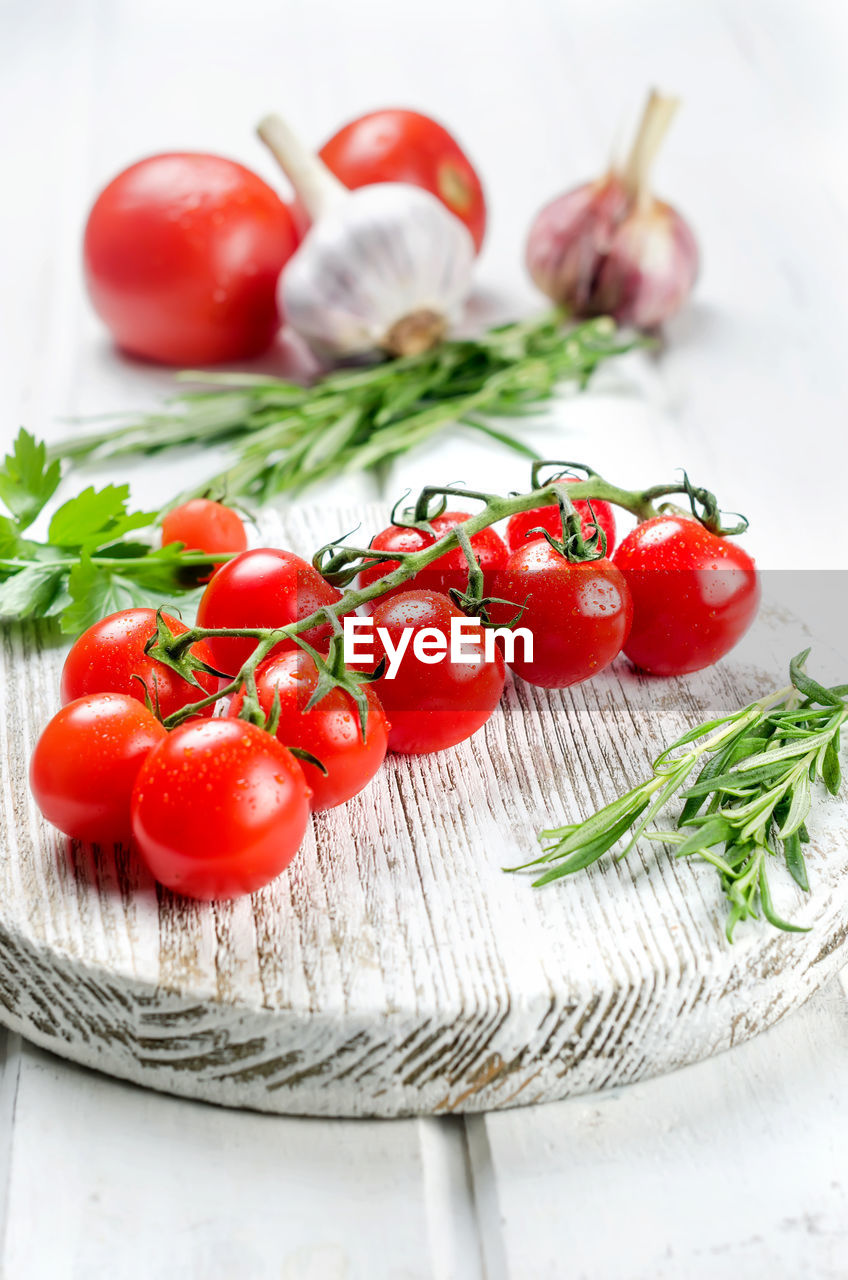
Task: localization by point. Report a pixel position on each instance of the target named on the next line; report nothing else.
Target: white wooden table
(736, 1167)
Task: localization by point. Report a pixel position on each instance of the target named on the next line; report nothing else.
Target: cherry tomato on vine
(265, 587)
(578, 613)
(86, 762)
(182, 254)
(432, 704)
(450, 570)
(519, 527)
(110, 654)
(219, 809)
(694, 594)
(405, 146)
(203, 525)
(330, 730)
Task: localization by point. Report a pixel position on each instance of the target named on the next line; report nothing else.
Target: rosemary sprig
(286, 436)
(748, 804)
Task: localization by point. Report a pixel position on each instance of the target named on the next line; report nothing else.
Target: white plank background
(733, 1167)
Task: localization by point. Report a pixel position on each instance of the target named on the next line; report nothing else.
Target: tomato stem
(245, 675)
(340, 564)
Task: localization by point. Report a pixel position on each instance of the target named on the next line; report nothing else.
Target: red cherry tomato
(107, 657)
(182, 254)
(219, 809)
(330, 730)
(203, 525)
(432, 705)
(404, 146)
(694, 594)
(86, 762)
(579, 614)
(450, 570)
(264, 587)
(519, 527)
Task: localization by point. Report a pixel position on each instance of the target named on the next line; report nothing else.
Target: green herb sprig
(748, 805)
(93, 562)
(286, 436)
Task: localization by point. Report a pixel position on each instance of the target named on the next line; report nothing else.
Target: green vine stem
(340, 564)
(126, 565)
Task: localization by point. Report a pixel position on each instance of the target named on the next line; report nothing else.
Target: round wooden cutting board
(394, 968)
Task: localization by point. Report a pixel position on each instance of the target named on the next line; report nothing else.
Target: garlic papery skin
(610, 247)
(648, 270)
(385, 268)
(571, 236)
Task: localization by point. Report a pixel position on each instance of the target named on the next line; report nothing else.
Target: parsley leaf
(96, 592)
(96, 517)
(31, 592)
(9, 539)
(27, 481)
(89, 566)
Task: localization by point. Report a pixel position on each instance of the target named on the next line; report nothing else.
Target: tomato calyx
(573, 545)
(472, 601)
(705, 509)
(341, 563)
(251, 711)
(175, 651)
(333, 673)
(429, 505)
(152, 704)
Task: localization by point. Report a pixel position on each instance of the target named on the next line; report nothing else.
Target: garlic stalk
(384, 268)
(612, 248)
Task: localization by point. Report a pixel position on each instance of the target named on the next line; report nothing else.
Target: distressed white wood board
(394, 968)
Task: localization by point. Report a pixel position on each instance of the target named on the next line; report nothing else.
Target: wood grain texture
(394, 968)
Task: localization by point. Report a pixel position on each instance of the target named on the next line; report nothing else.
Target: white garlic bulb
(382, 268)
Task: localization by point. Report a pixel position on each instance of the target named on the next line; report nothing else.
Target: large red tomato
(109, 658)
(694, 594)
(578, 614)
(219, 809)
(86, 762)
(405, 146)
(265, 587)
(432, 702)
(182, 254)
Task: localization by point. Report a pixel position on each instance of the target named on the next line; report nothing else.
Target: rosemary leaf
(757, 785)
(284, 437)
